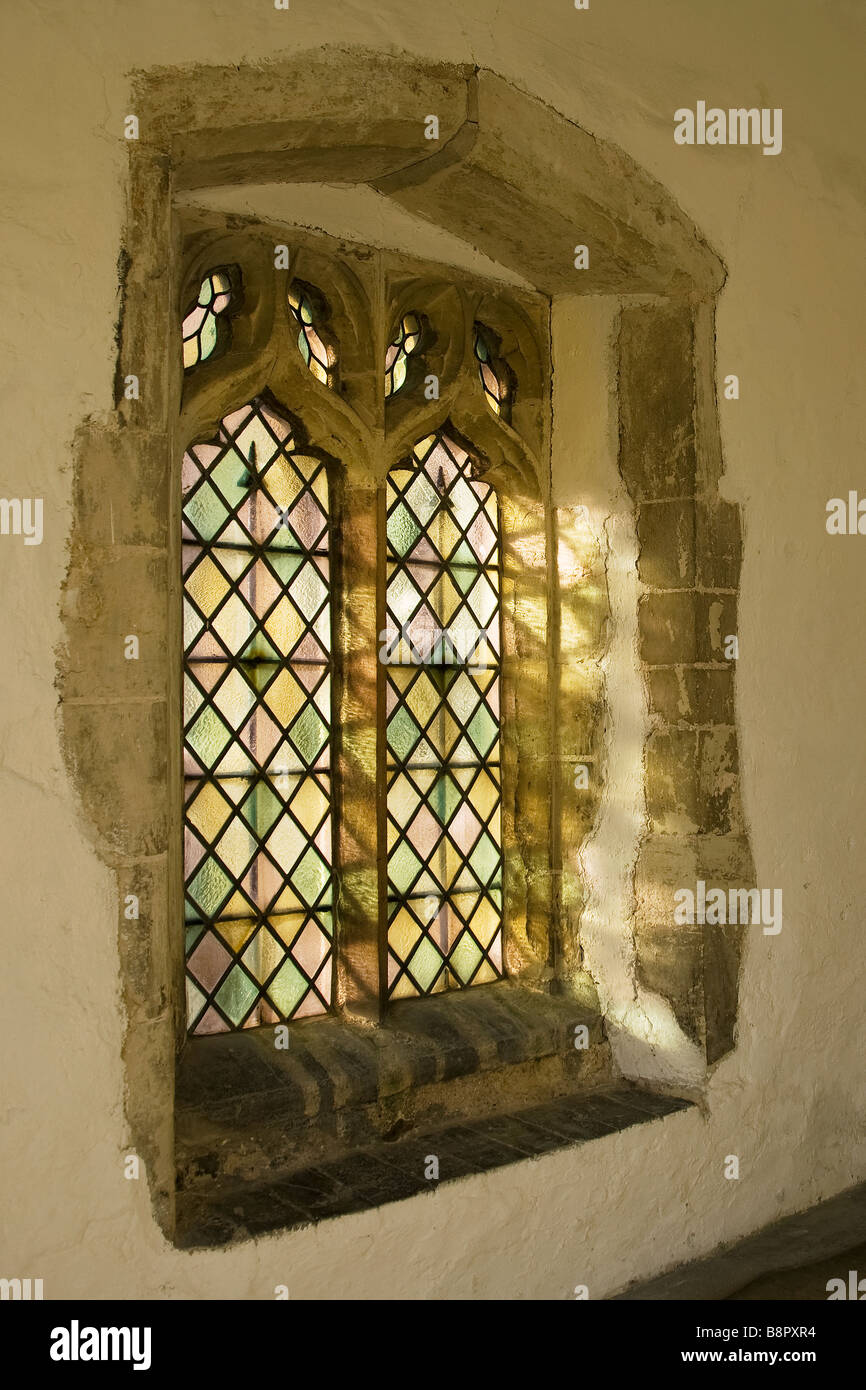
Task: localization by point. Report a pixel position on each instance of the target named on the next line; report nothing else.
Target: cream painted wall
(790, 1100)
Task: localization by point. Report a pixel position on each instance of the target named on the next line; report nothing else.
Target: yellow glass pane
(237, 906)
(209, 812)
(309, 805)
(234, 624)
(404, 989)
(234, 699)
(282, 482)
(285, 697)
(403, 798)
(444, 599)
(423, 700)
(236, 933)
(486, 974)
(485, 922)
(284, 626)
(485, 795)
(403, 933)
(443, 533)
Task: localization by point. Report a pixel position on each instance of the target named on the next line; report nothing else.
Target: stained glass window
(257, 726)
(308, 309)
(200, 324)
(495, 377)
(442, 656)
(405, 341)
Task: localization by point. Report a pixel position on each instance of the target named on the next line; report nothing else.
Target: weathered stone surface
(719, 544)
(668, 628)
(121, 487)
(697, 696)
(715, 621)
(119, 757)
(657, 432)
(718, 782)
(666, 533)
(670, 962)
(671, 782)
(113, 593)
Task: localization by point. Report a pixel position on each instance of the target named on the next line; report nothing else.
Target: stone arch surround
(649, 555)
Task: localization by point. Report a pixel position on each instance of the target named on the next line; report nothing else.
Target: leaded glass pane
(496, 380)
(406, 340)
(442, 648)
(257, 731)
(200, 324)
(317, 349)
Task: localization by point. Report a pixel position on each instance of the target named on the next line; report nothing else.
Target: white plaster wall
(790, 1101)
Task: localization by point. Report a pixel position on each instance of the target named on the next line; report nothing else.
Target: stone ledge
(246, 1109)
(392, 1172)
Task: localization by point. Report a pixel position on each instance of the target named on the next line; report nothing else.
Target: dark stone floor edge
(390, 1172)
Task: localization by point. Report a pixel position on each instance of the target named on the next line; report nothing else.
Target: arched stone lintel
(521, 182)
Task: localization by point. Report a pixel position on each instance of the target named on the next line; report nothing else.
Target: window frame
(364, 436)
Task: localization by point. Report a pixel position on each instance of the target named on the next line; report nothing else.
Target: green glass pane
(209, 888)
(208, 737)
(483, 730)
(261, 809)
(463, 575)
(191, 936)
(425, 963)
(236, 995)
(403, 733)
(444, 798)
(205, 294)
(310, 876)
(287, 988)
(205, 512)
(285, 566)
(464, 555)
(232, 477)
(403, 867)
(259, 649)
(484, 859)
(403, 531)
(208, 337)
(308, 733)
(464, 958)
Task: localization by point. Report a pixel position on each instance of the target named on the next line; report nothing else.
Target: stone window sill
(344, 1119)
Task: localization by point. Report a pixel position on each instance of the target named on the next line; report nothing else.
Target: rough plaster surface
(790, 1100)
